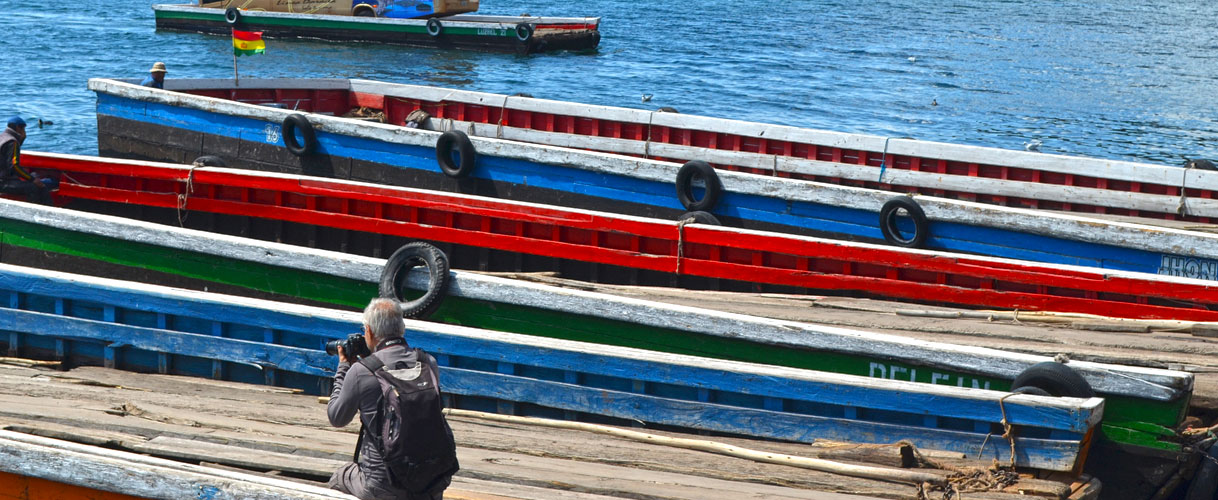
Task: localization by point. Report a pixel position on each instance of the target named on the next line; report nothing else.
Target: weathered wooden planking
(202, 451)
(139, 476)
(1060, 454)
(1064, 226)
(1113, 379)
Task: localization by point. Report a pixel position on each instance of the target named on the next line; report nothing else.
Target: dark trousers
(35, 192)
(350, 479)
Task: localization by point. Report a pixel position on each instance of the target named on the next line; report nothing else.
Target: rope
(1008, 431)
(681, 241)
(1182, 206)
(883, 160)
(647, 146)
(502, 110)
(190, 188)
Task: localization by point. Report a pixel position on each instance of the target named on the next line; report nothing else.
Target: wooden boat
(39, 467)
(1144, 405)
(143, 327)
(211, 117)
(518, 34)
(661, 247)
(981, 174)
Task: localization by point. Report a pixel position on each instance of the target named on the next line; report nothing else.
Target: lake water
(1107, 79)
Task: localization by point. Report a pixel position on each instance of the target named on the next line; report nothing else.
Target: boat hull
(104, 246)
(131, 127)
(580, 35)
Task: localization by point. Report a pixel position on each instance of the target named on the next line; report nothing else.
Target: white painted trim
(1131, 381)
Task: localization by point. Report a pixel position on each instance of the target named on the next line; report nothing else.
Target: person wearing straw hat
(156, 76)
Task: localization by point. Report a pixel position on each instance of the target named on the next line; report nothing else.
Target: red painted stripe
(639, 243)
(249, 36)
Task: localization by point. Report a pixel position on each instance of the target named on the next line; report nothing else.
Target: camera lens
(332, 346)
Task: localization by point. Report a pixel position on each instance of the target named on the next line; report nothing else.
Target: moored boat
(665, 249)
(517, 34)
(201, 117)
(1144, 405)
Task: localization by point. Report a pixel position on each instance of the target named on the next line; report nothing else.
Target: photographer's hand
(342, 356)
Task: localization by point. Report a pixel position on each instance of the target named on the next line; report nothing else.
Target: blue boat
(247, 127)
(157, 329)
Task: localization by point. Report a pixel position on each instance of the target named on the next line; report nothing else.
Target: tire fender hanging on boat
(434, 27)
(232, 16)
(701, 217)
(397, 268)
(291, 125)
(1053, 379)
(685, 186)
(888, 222)
(524, 31)
(209, 161)
(466, 155)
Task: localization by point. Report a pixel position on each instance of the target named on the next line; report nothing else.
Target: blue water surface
(1108, 78)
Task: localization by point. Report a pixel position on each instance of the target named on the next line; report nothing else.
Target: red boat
(671, 248)
(988, 175)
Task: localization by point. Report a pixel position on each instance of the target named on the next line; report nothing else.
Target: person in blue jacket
(156, 76)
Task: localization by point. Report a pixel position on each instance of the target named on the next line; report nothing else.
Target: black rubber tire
(398, 267)
(685, 189)
(524, 31)
(1032, 390)
(232, 16)
(209, 161)
(668, 109)
(434, 27)
(1054, 378)
(301, 122)
(888, 222)
(701, 217)
(365, 12)
(465, 149)
(1205, 482)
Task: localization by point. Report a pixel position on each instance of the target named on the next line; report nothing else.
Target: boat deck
(278, 432)
(1107, 341)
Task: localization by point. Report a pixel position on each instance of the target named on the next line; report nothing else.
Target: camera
(353, 345)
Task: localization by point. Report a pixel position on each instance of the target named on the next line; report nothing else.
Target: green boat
(1143, 404)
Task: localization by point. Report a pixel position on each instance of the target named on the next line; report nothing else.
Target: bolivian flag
(247, 43)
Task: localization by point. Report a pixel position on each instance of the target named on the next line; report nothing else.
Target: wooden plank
(194, 450)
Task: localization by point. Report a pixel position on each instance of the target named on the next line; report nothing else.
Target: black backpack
(414, 438)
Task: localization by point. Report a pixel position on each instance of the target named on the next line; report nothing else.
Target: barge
(249, 128)
(513, 34)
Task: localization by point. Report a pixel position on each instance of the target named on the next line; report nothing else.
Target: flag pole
(236, 81)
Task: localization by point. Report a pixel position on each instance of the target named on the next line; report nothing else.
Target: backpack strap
(372, 363)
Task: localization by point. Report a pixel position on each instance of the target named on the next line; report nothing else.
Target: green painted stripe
(1127, 420)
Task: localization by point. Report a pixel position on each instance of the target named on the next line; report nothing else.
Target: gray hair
(384, 319)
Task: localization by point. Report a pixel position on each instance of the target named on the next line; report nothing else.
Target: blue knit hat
(16, 121)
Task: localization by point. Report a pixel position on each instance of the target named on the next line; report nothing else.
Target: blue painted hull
(155, 329)
(547, 183)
